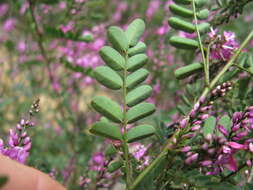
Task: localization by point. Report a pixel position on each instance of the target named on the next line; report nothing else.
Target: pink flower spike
(235, 145)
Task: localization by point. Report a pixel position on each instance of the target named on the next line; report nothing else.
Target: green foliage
(209, 125)
(134, 31)
(108, 77)
(138, 95)
(183, 43)
(136, 78)
(107, 108)
(188, 70)
(107, 130)
(135, 62)
(140, 132)
(140, 47)
(112, 58)
(115, 165)
(140, 111)
(124, 60)
(117, 38)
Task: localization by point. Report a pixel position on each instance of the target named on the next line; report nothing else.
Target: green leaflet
(203, 14)
(180, 24)
(181, 11)
(107, 108)
(209, 125)
(117, 38)
(200, 3)
(183, 2)
(140, 132)
(203, 27)
(108, 77)
(138, 95)
(187, 13)
(136, 78)
(135, 62)
(112, 58)
(188, 70)
(140, 47)
(183, 43)
(135, 31)
(140, 111)
(107, 130)
(226, 122)
(110, 151)
(115, 165)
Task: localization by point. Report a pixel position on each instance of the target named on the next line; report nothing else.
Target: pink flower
(153, 6)
(21, 47)
(224, 46)
(236, 146)
(3, 9)
(9, 24)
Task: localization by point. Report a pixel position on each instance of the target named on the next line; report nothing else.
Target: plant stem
(124, 127)
(206, 64)
(177, 134)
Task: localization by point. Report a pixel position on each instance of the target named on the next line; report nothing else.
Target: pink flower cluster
(19, 143)
(139, 152)
(224, 45)
(218, 150)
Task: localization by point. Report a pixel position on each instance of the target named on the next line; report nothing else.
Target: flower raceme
(19, 143)
(219, 149)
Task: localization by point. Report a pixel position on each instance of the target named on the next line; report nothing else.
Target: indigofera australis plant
(123, 71)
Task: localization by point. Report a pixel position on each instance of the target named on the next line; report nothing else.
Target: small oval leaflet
(117, 38)
(140, 47)
(135, 62)
(106, 130)
(115, 165)
(107, 108)
(183, 43)
(135, 31)
(140, 111)
(180, 24)
(188, 70)
(203, 27)
(183, 2)
(136, 78)
(209, 125)
(181, 11)
(112, 58)
(203, 14)
(140, 132)
(108, 77)
(138, 95)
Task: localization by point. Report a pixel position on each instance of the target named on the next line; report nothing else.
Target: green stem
(203, 95)
(124, 126)
(206, 64)
(158, 159)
